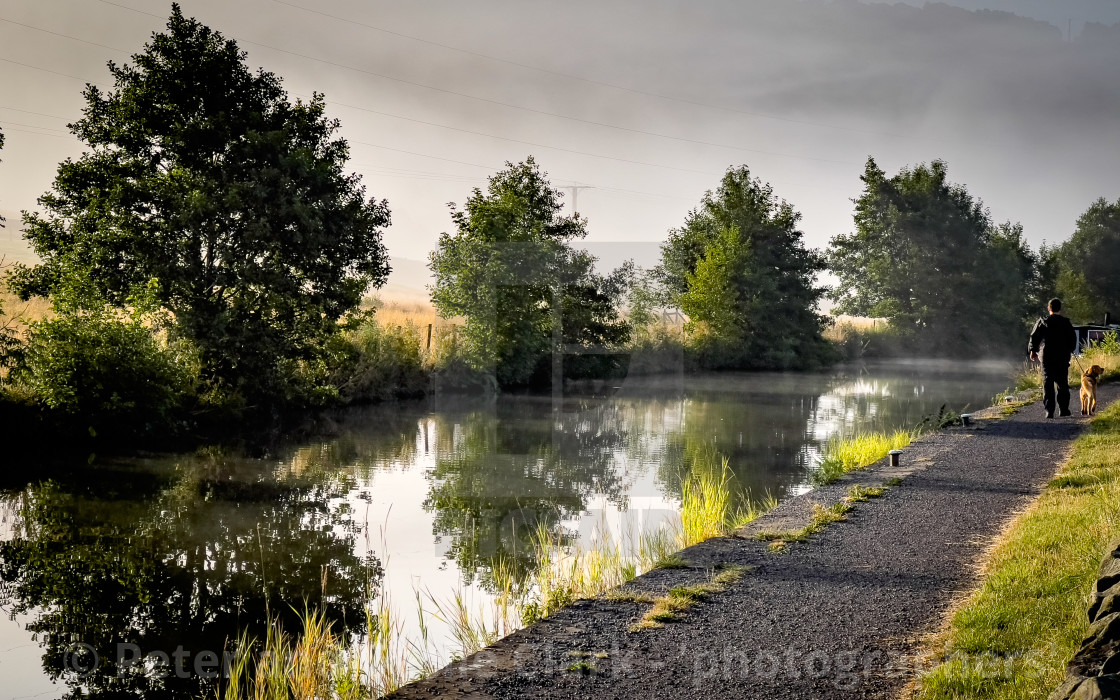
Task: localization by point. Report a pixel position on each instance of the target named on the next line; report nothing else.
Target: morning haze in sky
(644, 104)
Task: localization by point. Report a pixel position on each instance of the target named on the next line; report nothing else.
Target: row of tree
(925, 254)
(210, 244)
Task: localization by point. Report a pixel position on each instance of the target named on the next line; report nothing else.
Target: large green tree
(740, 267)
(510, 269)
(203, 181)
(1088, 279)
(926, 255)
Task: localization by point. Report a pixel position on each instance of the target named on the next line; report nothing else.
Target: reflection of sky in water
(436, 492)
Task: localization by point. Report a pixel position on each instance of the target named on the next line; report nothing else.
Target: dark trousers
(1055, 380)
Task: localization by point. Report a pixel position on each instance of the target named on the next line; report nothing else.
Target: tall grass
(843, 455)
(706, 509)
(865, 338)
(322, 665)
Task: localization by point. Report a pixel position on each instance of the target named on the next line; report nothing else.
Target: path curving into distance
(838, 616)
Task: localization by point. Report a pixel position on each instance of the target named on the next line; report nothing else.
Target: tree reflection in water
(502, 474)
(165, 561)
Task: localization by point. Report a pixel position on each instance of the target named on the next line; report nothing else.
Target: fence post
(429, 347)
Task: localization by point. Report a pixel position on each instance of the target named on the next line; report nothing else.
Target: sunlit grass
(1012, 638)
(669, 607)
(706, 504)
(843, 455)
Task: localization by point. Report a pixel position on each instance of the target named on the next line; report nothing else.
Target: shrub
(107, 372)
(855, 341)
(381, 362)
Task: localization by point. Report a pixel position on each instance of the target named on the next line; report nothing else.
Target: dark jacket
(1054, 339)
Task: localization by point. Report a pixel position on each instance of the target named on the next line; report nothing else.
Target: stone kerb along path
(835, 613)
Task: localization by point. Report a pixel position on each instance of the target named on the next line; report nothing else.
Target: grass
(706, 503)
(673, 561)
(1012, 638)
(843, 455)
(17, 314)
(822, 518)
(670, 607)
(858, 494)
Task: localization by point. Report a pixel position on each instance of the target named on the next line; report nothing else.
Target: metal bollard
(966, 419)
(895, 455)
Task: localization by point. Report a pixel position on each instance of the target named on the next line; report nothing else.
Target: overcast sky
(647, 102)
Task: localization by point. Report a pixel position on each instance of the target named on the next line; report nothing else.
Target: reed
(843, 455)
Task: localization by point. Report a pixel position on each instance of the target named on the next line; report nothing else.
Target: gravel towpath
(838, 616)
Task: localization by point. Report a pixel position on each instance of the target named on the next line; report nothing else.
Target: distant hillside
(407, 282)
(12, 246)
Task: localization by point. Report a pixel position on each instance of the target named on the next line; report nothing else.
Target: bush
(109, 373)
(859, 341)
(381, 362)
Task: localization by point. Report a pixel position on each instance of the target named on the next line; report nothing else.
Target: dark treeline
(206, 257)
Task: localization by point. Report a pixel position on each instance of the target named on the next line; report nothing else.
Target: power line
(64, 36)
(46, 70)
(580, 78)
(504, 104)
(36, 133)
(36, 126)
(27, 111)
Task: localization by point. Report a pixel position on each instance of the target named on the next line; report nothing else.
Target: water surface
(178, 554)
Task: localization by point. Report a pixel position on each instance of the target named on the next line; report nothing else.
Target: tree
(1088, 261)
(926, 255)
(740, 267)
(203, 180)
(713, 294)
(1013, 280)
(509, 268)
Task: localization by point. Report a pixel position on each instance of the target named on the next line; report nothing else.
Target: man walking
(1054, 339)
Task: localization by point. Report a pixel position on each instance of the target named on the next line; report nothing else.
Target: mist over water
(191, 549)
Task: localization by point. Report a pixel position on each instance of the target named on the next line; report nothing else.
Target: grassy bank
(1013, 637)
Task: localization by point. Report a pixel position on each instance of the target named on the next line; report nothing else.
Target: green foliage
(1087, 281)
(202, 176)
(509, 268)
(107, 372)
(381, 363)
(642, 298)
(926, 255)
(740, 269)
(714, 295)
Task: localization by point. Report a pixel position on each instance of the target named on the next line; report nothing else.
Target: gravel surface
(838, 616)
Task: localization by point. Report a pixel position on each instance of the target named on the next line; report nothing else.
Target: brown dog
(1089, 381)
